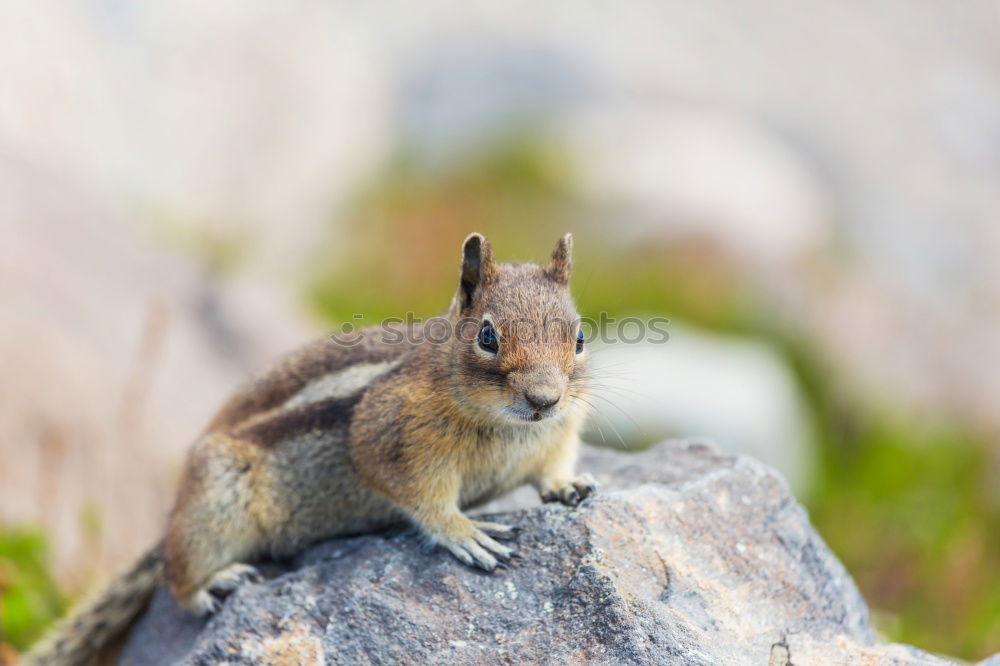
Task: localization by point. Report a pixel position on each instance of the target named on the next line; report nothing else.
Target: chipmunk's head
(521, 354)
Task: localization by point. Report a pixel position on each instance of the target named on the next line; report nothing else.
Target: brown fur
(337, 439)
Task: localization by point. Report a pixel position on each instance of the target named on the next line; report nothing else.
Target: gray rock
(686, 556)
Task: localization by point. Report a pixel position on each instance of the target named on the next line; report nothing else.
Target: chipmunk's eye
(579, 341)
(488, 340)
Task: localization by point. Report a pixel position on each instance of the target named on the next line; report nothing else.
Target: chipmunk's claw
(477, 549)
(208, 600)
(204, 603)
(498, 530)
(228, 579)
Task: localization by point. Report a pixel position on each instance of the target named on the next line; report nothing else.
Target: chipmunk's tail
(84, 635)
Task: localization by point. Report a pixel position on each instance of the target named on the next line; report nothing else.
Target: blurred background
(809, 191)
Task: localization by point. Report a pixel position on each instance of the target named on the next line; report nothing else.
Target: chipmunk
(340, 439)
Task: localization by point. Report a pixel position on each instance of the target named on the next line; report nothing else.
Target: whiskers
(595, 390)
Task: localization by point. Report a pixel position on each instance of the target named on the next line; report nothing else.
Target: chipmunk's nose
(541, 388)
(541, 400)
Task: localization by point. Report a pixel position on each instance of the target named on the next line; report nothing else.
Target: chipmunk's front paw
(571, 492)
(477, 549)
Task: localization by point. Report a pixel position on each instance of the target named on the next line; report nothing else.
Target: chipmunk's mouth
(530, 415)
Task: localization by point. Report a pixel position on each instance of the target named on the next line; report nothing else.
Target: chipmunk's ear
(478, 266)
(562, 260)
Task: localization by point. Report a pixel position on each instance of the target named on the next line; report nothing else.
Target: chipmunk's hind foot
(203, 603)
(208, 600)
(228, 579)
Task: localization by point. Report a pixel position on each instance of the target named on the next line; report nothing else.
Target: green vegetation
(405, 229)
(29, 599)
(909, 504)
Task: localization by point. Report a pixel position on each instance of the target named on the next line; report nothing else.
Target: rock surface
(686, 556)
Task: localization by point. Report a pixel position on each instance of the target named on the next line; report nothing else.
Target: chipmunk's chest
(496, 462)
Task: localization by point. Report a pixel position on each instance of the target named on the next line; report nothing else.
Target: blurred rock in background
(696, 383)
